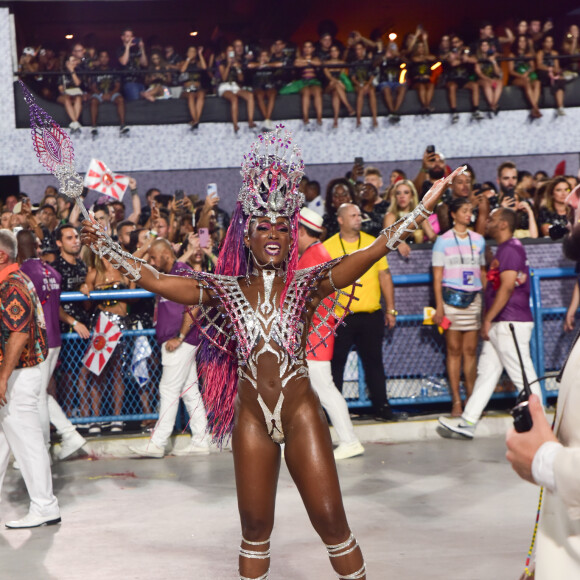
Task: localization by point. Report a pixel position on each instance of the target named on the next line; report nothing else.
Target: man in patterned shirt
(22, 348)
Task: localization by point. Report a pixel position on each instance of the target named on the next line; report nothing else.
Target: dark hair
(509, 217)
(134, 240)
(315, 185)
(505, 165)
(309, 231)
(328, 208)
(456, 203)
(571, 245)
(124, 224)
(47, 206)
(150, 191)
(60, 229)
(101, 207)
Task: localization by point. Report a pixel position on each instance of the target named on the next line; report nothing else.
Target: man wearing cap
(364, 327)
(312, 253)
(23, 347)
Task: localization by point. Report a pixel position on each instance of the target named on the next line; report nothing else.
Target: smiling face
(269, 242)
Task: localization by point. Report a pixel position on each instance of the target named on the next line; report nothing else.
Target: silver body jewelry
(406, 225)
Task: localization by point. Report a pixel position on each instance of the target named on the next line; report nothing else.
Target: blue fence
(413, 355)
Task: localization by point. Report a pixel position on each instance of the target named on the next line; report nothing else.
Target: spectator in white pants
(22, 349)
(47, 283)
(312, 253)
(175, 334)
(507, 301)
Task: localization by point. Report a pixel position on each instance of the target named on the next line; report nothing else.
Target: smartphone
(511, 192)
(211, 190)
(430, 149)
(179, 194)
(445, 323)
(203, 237)
(17, 208)
(359, 161)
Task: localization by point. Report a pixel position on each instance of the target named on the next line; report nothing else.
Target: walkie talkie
(521, 412)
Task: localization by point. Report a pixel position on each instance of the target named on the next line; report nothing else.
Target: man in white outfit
(552, 459)
(47, 283)
(312, 253)
(22, 349)
(173, 328)
(507, 302)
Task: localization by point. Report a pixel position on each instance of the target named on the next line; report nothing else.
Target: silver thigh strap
(406, 225)
(255, 554)
(342, 549)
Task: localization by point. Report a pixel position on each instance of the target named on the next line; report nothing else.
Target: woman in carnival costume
(256, 311)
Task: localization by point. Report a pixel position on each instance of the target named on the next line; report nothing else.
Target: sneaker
(560, 111)
(94, 429)
(117, 426)
(191, 449)
(477, 115)
(94, 132)
(346, 450)
(124, 130)
(71, 443)
(148, 449)
(459, 426)
(454, 118)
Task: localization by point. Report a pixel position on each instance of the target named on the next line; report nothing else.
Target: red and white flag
(103, 342)
(100, 178)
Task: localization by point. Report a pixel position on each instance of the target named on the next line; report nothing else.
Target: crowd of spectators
(378, 66)
(540, 203)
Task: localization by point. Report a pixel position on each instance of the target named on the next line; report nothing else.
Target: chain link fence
(413, 358)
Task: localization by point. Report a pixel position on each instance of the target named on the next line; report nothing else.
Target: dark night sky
(171, 20)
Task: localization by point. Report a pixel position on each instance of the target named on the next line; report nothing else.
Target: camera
(557, 231)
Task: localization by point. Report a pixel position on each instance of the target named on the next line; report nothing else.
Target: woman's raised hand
(438, 188)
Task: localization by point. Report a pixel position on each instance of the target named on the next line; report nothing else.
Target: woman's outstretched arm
(354, 265)
(175, 288)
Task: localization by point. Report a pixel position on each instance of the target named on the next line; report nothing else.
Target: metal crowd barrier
(413, 355)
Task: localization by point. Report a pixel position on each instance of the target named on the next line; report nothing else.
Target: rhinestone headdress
(271, 174)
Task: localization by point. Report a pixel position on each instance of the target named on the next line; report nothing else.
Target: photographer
(433, 168)
(526, 226)
(554, 210)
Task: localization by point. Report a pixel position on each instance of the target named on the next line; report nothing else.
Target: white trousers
(499, 353)
(49, 409)
(21, 433)
(331, 399)
(179, 379)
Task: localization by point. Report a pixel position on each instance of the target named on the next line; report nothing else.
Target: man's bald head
(161, 255)
(349, 219)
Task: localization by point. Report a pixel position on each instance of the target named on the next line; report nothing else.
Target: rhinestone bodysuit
(268, 328)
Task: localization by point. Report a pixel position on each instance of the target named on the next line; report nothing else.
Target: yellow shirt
(369, 294)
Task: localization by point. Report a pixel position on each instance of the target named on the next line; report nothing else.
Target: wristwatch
(393, 312)
(181, 336)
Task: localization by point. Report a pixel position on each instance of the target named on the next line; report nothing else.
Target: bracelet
(180, 336)
(393, 312)
(74, 323)
(133, 192)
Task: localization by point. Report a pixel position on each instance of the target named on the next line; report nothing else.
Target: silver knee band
(406, 225)
(257, 554)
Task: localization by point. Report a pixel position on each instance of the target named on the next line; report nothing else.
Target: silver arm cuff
(119, 258)
(406, 225)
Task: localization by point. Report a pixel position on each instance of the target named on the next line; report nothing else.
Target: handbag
(458, 298)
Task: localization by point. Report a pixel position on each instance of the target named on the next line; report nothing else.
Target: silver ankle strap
(262, 577)
(406, 225)
(355, 575)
